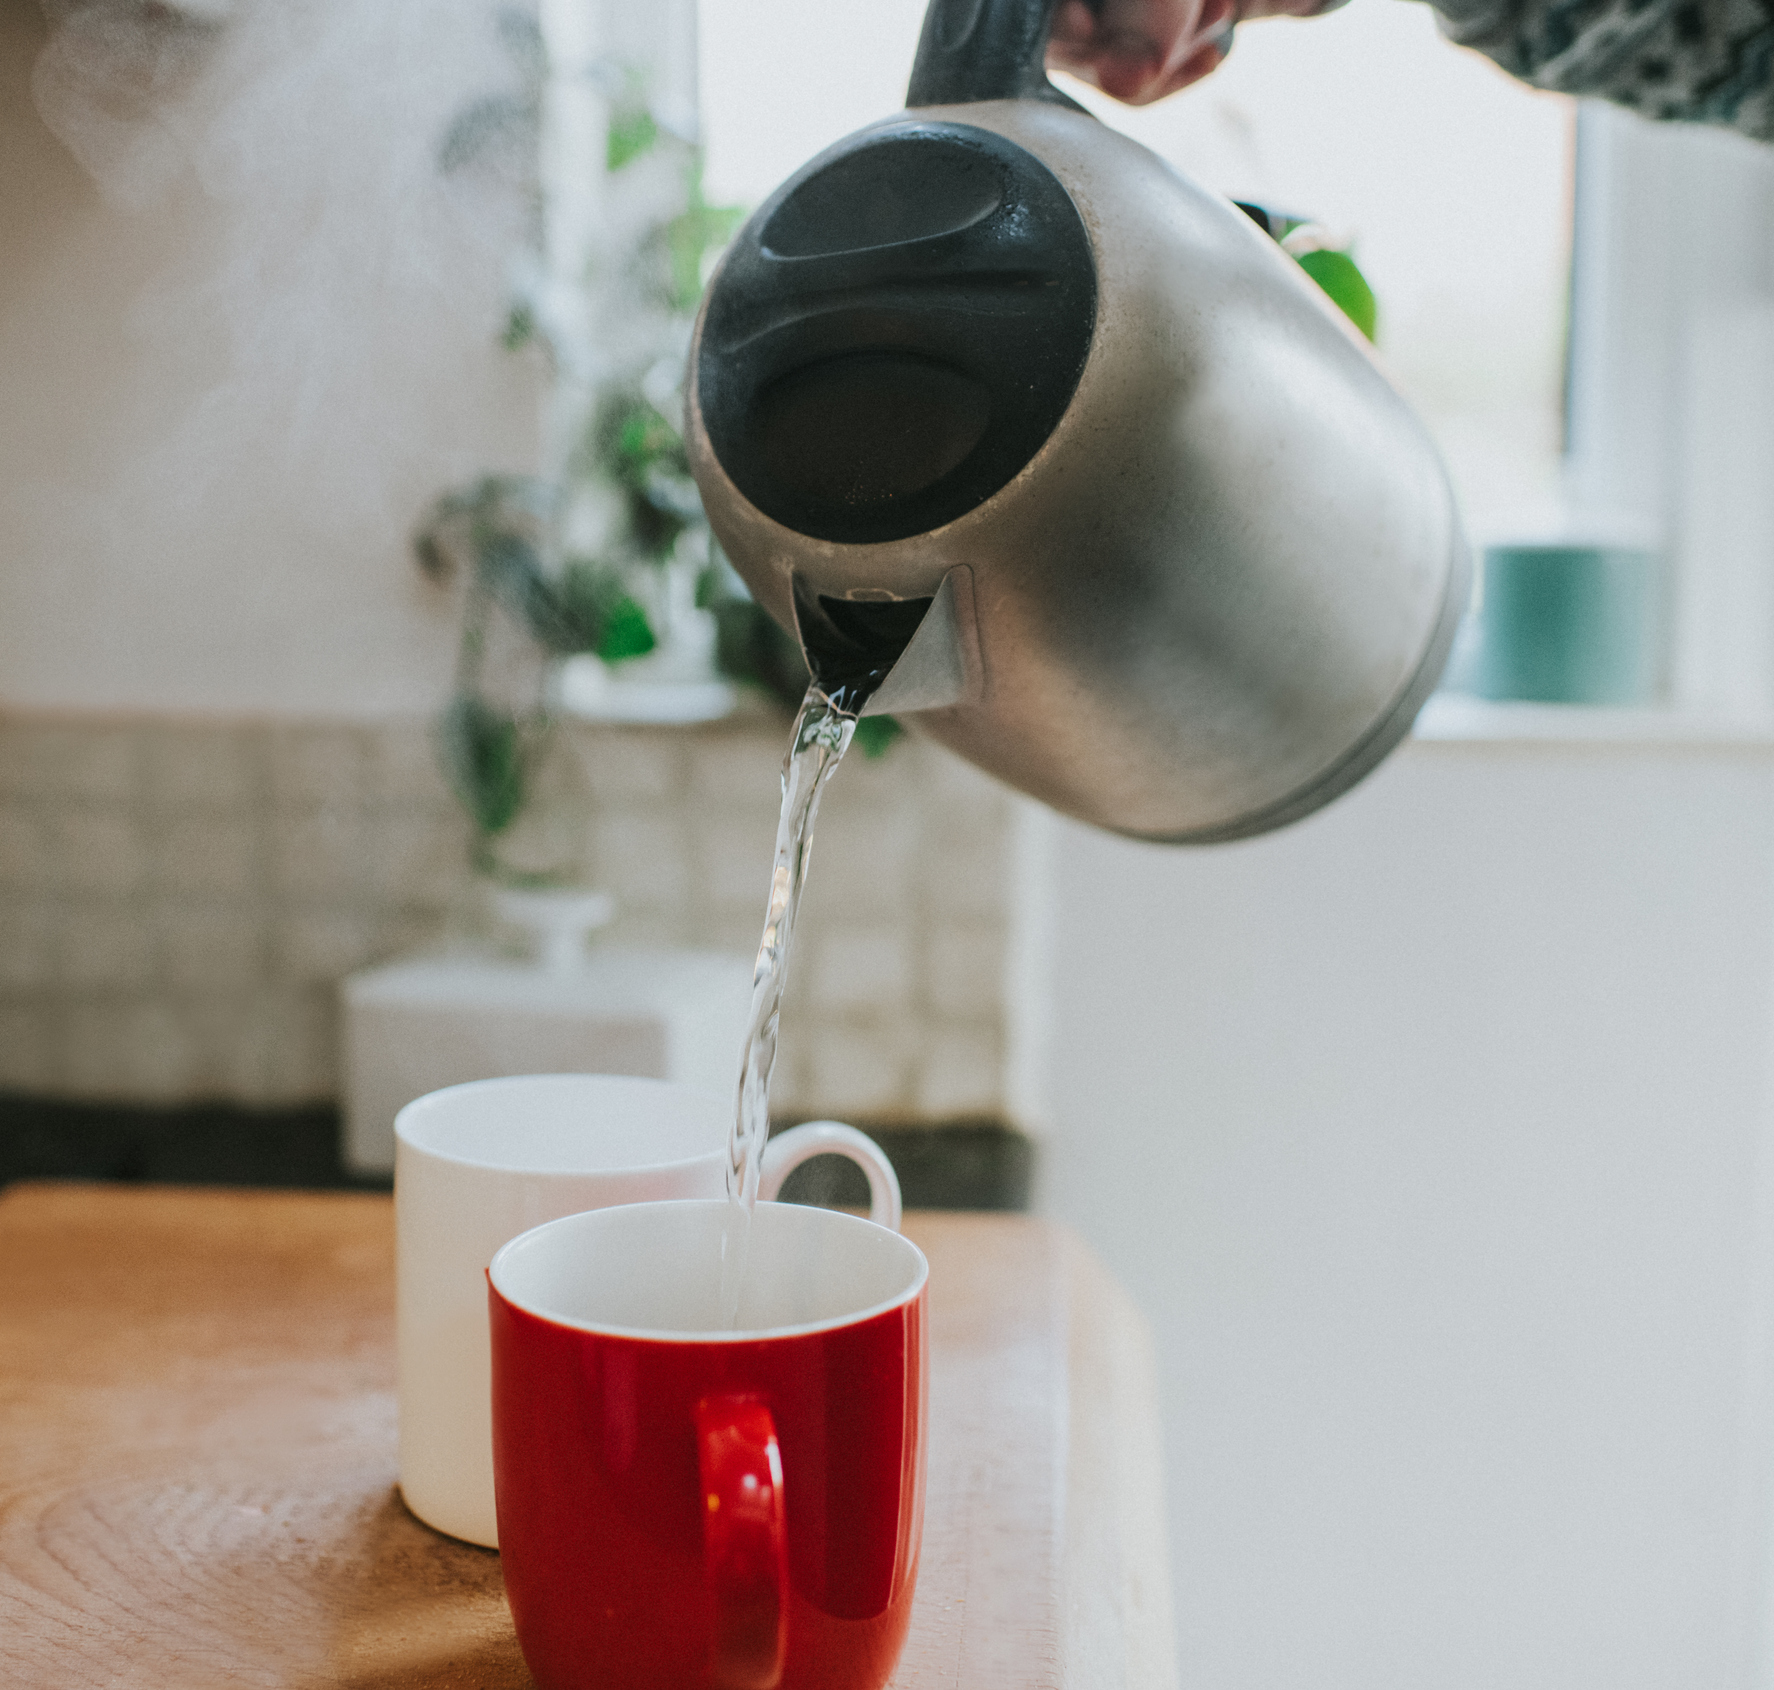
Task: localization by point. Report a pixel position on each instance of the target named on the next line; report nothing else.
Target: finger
(1138, 51)
(1290, 8)
(1074, 30)
(1205, 59)
(1123, 46)
(1204, 54)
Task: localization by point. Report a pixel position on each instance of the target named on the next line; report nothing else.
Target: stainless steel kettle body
(1023, 432)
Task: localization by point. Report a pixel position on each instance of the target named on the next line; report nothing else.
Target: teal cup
(1566, 624)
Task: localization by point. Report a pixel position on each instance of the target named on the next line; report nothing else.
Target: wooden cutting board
(197, 1460)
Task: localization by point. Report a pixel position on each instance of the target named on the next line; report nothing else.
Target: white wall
(1671, 420)
(249, 332)
(1431, 1134)
(783, 79)
(239, 354)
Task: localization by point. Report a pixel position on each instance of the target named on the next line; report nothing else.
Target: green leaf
(1338, 275)
(700, 229)
(632, 444)
(643, 442)
(668, 488)
(561, 617)
(751, 646)
(520, 328)
(652, 531)
(509, 564)
(483, 757)
(875, 734)
(632, 133)
(627, 633)
(507, 123)
(582, 602)
(430, 554)
(490, 521)
(521, 34)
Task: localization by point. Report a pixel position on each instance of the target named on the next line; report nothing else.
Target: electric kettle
(1026, 435)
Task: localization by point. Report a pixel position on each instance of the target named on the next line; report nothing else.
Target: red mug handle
(744, 1542)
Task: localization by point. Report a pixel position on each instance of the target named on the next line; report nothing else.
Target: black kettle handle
(984, 50)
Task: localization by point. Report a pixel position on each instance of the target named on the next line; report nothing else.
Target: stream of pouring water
(822, 734)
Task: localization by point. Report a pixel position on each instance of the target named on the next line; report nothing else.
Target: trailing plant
(573, 562)
(1334, 269)
(1328, 261)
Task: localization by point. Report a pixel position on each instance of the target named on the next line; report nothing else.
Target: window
(1452, 184)
(1501, 231)
(1672, 384)
(1451, 180)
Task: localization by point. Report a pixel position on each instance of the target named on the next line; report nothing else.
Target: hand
(1140, 50)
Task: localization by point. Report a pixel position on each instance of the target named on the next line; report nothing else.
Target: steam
(273, 333)
(312, 260)
(111, 79)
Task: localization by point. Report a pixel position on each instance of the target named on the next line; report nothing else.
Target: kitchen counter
(197, 1459)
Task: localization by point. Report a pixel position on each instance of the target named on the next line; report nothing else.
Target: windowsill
(1453, 718)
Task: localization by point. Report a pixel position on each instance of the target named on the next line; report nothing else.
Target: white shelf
(1453, 719)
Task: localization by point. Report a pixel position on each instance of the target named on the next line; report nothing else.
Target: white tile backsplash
(734, 858)
(29, 929)
(320, 853)
(858, 971)
(418, 852)
(178, 900)
(964, 968)
(26, 861)
(213, 856)
(300, 1041)
(319, 768)
(317, 945)
(401, 766)
(863, 1070)
(646, 853)
(28, 1056)
(744, 771)
(215, 946)
(97, 851)
(90, 764)
(107, 946)
(959, 1073)
(121, 1048)
(963, 868)
(634, 766)
(200, 768)
(879, 848)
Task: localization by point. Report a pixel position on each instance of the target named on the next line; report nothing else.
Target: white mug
(477, 1164)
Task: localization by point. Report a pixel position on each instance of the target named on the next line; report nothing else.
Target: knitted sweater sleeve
(1694, 61)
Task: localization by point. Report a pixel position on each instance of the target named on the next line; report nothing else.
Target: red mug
(684, 1506)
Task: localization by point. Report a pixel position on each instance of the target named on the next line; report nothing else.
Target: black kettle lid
(900, 327)
(896, 332)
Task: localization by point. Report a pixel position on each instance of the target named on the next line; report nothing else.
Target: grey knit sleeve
(1694, 61)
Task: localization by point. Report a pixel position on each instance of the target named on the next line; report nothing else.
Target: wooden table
(197, 1459)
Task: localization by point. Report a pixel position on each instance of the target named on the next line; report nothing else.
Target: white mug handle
(787, 1151)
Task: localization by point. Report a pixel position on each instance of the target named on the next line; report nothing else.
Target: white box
(415, 1025)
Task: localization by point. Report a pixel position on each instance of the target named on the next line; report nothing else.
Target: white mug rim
(621, 1170)
(593, 1218)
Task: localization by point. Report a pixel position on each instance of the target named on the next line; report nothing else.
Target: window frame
(1670, 386)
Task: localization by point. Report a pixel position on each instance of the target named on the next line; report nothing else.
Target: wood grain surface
(197, 1460)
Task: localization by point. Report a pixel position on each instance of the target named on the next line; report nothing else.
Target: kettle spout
(878, 655)
(940, 666)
